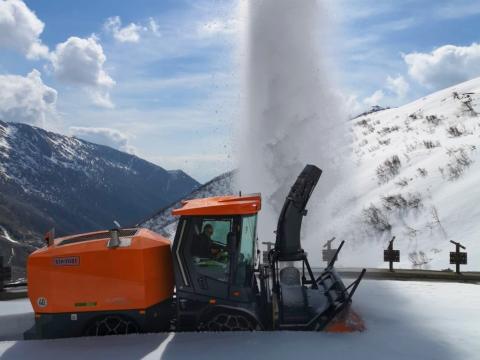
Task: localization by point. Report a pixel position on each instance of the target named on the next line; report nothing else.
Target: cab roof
(221, 205)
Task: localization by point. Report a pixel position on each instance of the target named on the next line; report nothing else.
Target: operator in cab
(203, 246)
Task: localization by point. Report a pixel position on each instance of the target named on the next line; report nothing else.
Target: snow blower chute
(123, 280)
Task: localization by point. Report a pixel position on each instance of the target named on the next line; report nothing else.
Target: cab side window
(245, 260)
(209, 247)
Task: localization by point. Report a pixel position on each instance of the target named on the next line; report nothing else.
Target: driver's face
(208, 231)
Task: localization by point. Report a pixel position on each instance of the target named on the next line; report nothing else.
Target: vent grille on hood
(98, 236)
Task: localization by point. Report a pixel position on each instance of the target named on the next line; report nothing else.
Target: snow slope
(404, 320)
(417, 178)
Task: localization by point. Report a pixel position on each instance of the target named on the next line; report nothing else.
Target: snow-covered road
(405, 320)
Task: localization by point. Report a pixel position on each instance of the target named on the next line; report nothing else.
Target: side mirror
(114, 240)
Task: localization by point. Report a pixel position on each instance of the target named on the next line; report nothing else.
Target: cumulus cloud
(20, 29)
(129, 33)
(445, 66)
(218, 27)
(398, 85)
(104, 136)
(27, 99)
(79, 61)
(374, 99)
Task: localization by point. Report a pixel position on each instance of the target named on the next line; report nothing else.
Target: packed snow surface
(404, 320)
(15, 317)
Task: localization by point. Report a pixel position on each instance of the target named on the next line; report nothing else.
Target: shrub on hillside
(433, 119)
(459, 162)
(454, 131)
(400, 202)
(422, 172)
(388, 169)
(429, 144)
(374, 217)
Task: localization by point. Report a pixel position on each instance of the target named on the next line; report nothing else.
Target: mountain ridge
(51, 180)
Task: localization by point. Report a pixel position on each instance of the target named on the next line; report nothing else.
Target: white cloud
(398, 86)
(80, 62)
(129, 33)
(27, 99)
(218, 27)
(458, 9)
(351, 105)
(445, 66)
(20, 29)
(374, 99)
(104, 136)
(153, 26)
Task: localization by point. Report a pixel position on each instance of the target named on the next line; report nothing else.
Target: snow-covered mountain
(417, 169)
(50, 180)
(417, 175)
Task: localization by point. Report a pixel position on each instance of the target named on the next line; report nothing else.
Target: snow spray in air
(290, 114)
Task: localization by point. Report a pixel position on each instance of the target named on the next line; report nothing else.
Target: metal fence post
(5, 274)
(391, 255)
(328, 253)
(458, 258)
(1, 273)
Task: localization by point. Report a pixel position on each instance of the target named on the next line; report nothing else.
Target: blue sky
(161, 78)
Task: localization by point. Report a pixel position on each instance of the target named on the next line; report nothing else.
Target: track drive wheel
(112, 325)
(224, 321)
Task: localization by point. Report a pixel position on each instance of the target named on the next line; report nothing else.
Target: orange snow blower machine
(125, 281)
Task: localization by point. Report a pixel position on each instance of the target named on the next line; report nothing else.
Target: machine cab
(214, 249)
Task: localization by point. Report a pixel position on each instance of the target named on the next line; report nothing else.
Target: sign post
(391, 255)
(265, 253)
(5, 273)
(458, 258)
(328, 253)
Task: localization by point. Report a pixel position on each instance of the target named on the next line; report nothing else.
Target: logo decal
(42, 302)
(67, 261)
(87, 303)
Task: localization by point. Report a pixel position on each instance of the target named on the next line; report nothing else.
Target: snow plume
(27, 99)
(291, 115)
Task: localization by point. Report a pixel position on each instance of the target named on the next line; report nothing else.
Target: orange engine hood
(80, 273)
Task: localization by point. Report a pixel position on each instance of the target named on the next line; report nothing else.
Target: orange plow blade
(345, 322)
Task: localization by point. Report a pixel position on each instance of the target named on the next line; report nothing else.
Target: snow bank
(16, 316)
(405, 320)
